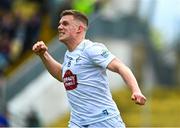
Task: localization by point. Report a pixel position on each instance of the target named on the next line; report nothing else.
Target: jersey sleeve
(99, 54)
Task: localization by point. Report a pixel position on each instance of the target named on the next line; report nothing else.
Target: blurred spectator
(29, 15)
(32, 31)
(7, 25)
(7, 33)
(4, 52)
(20, 23)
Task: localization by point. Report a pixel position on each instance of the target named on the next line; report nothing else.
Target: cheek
(68, 29)
(72, 31)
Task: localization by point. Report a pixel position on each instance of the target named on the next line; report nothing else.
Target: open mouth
(61, 33)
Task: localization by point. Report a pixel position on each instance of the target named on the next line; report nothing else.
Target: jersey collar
(80, 46)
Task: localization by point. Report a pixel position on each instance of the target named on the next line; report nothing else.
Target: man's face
(67, 28)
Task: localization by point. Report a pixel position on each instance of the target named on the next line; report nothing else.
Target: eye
(65, 23)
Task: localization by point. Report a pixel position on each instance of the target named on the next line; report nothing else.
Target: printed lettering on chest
(70, 80)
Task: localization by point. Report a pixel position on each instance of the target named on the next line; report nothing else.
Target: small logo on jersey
(105, 112)
(69, 64)
(105, 53)
(78, 59)
(70, 80)
(70, 59)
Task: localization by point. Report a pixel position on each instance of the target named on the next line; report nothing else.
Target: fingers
(133, 97)
(139, 99)
(39, 47)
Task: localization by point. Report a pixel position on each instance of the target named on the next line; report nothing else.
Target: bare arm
(117, 66)
(53, 67)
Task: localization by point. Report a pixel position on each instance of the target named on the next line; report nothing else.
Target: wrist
(43, 55)
(137, 90)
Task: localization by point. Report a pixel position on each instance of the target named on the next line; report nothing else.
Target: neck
(71, 45)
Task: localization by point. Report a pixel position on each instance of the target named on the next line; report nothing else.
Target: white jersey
(85, 79)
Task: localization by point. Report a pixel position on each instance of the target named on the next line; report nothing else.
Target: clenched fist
(39, 48)
(138, 98)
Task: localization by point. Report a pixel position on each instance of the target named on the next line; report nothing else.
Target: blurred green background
(144, 34)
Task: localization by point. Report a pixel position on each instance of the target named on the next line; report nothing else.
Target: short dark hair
(76, 14)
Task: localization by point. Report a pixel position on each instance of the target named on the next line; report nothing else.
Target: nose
(60, 27)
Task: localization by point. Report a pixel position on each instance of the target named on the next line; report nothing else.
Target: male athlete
(83, 73)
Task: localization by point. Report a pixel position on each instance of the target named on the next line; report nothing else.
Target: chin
(62, 40)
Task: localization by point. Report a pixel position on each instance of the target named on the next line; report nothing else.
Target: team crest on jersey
(70, 80)
(105, 53)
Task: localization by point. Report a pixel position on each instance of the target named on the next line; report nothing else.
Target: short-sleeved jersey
(85, 79)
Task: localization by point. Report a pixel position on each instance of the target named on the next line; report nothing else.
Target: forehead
(67, 18)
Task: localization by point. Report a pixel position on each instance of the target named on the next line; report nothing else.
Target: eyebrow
(64, 21)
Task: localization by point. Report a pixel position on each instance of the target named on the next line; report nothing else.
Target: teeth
(61, 33)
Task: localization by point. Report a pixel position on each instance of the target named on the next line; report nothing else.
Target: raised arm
(117, 66)
(53, 67)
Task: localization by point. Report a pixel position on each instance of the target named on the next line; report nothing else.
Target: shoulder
(98, 53)
(93, 46)
(95, 49)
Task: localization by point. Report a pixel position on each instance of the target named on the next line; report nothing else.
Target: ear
(80, 29)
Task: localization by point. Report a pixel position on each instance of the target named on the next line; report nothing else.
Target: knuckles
(39, 46)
